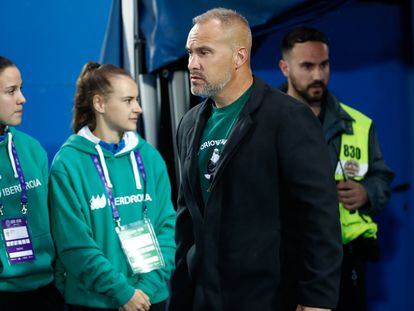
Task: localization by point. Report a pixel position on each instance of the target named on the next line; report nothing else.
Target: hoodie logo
(31, 184)
(97, 202)
(100, 201)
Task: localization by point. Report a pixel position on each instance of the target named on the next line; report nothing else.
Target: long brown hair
(93, 80)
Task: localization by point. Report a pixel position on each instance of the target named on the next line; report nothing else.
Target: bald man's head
(218, 48)
(235, 27)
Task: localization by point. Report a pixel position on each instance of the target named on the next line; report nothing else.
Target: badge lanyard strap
(115, 212)
(141, 169)
(344, 175)
(22, 181)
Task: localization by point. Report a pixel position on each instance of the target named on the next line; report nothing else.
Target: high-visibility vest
(353, 164)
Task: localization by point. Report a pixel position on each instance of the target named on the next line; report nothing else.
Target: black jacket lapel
(240, 129)
(192, 175)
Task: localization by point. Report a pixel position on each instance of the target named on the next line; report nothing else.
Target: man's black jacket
(273, 177)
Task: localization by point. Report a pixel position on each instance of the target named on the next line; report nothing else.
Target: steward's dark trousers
(352, 295)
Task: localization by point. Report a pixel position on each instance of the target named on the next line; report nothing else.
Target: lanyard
(22, 181)
(141, 169)
(115, 212)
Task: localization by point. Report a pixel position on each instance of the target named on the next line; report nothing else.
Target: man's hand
(352, 194)
(301, 308)
(138, 302)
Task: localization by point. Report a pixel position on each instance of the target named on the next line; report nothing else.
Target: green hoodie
(97, 272)
(33, 160)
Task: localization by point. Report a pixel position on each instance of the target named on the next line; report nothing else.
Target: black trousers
(352, 295)
(161, 306)
(46, 298)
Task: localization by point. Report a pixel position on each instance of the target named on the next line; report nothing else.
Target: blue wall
(50, 41)
(370, 71)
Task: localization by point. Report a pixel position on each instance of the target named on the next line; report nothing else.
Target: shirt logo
(212, 143)
(97, 202)
(212, 163)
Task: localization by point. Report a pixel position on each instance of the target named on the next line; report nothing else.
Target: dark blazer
(273, 178)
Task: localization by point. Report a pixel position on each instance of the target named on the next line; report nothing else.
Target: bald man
(254, 167)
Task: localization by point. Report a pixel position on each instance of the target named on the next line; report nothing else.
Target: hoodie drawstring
(135, 170)
(10, 152)
(105, 168)
(103, 163)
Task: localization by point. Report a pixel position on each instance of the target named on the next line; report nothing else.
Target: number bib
(17, 240)
(140, 246)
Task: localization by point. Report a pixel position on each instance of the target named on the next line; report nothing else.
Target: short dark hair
(5, 63)
(301, 35)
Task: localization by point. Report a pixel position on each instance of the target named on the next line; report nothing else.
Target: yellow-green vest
(353, 161)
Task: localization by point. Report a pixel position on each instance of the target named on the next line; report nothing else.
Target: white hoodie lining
(10, 151)
(85, 132)
(130, 138)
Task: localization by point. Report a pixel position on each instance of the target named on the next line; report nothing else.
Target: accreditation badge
(351, 168)
(140, 246)
(16, 236)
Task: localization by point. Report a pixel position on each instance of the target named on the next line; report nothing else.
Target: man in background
(363, 178)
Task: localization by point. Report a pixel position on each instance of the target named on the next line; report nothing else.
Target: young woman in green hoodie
(26, 246)
(112, 216)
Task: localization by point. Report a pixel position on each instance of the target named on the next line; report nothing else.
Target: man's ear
(99, 103)
(241, 57)
(284, 67)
